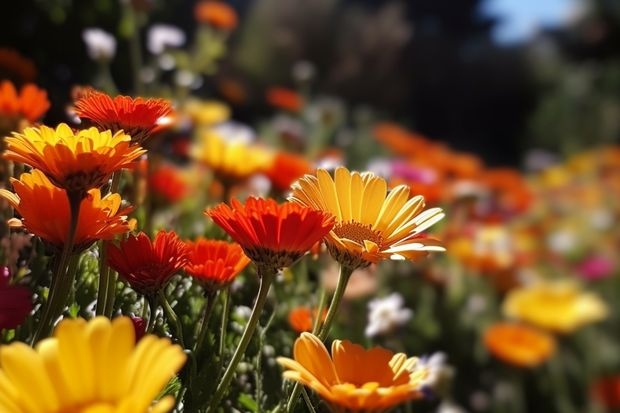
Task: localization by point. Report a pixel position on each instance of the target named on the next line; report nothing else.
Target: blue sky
(521, 17)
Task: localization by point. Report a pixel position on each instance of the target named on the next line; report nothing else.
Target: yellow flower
(371, 224)
(74, 161)
(207, 112)
(559, 306)
(89, 367)
(354, 379)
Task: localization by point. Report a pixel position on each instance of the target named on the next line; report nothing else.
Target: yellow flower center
(358, 232)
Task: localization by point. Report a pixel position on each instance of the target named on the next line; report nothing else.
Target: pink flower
(595, 267)
(15, 301)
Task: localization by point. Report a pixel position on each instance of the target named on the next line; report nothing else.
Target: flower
(385, 314)
(147, 266)
(283, 98)
(371, 224)
(13, 65)
(518, 344)
(286, 168)
(215, 263)
(93, 366)
(215, 13)
(302, 318)
(271, 234)
(99, 218)
(100, 45)
(606, 391)
(30, 103)
(15, 301)
(206, 112)
(75, 161)
(137, 117)
(554, 305)
(162, 36)
(168, 184)
(355, 379)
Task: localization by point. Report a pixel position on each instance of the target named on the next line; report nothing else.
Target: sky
(523, 17)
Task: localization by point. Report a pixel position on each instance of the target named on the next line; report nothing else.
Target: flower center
(358, 232)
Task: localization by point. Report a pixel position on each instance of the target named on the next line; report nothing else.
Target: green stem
(135, 48)
(203, 326)
(224, 325)
(318, 322)
(343, 279)
(171, 315)
(307, 400)
(152, 301)
(265, 283)
(62, 280)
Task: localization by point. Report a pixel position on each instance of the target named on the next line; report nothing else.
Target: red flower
(137, 117)
(168, 183)
(215, 263)
(606, 390)
(147, 266)
(283, 98)
(30, 103)
(286, 169)
(273, 235)
(15, 302)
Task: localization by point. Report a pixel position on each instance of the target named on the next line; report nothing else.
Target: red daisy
(137, 117)
(215, 263)
(147, 266)
(273, 235)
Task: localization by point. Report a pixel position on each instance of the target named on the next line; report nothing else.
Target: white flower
(100, 44)
(385, 314)
(162, 36)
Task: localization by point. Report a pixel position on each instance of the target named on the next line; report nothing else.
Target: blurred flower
(355, 379)
(162, 36)
(167, 183)
(99, 218)
(137, 117)
(74, 161)
(100, 45)
(554, 305)
(147, 266)
(206, 112)
(606, 391)
(371, 224)
(283, 98)
(273, 235)
(214, 263)
(399, 140)
(596, 267)
(87, 367)
(16, 67)
(215, 13)
(30, 103)
(15, 301)
(509, 188)
(519, 344)
(286, 168)
(302, 318)
(385, 314)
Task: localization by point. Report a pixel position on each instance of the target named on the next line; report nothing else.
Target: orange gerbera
(400, 140)
(75, 161)
(147, 266)
(30, 103)
(215, 13)
(354, 379)
(167, 183)
(519, 344)
(286, 169)
(283, 98)
(371, 224)
(273, 235)
(45, 212)
(137, 117)
(215, 263)
(301, 319)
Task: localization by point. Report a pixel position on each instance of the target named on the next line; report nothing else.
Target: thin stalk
(172, 316)
(265, 283)
(224, 325)
(318, 322)
(343, 279)
(307, 400)
(62, 279)
(203, 325)
(152, 304)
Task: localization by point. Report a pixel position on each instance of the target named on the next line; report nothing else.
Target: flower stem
(152, 301)
(343, 279)
(203, 325)
(224, 325)
(265, 283)
(172, 316)
(62, 279)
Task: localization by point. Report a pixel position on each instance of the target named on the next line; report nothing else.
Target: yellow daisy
(372, 224)
(89, 367)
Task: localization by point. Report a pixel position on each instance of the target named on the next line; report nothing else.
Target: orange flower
(302, 318)
(509, 189)
(215, 263)
(15, 66)
(400, 140)
(31, 102)
(286, 99)
(217, 14)
(273, 235)
(286, 169)
(137, 117)
(167, 183)
(45, 212)
(518, 344)
(354, 379)
(147, 266)
(75, 161)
